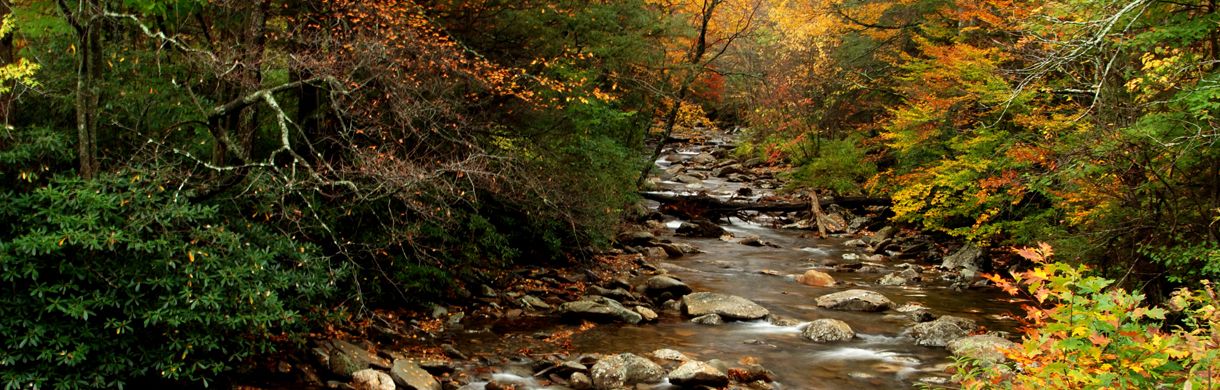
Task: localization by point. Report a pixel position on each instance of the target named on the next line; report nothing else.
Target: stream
(882, 355)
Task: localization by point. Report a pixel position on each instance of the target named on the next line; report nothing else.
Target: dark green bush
(123, 278)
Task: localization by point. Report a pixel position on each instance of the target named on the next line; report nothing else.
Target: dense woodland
(191, 183)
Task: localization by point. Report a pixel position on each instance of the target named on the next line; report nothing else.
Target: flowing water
(881, 356)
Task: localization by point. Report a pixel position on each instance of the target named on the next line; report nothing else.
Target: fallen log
(716, 206)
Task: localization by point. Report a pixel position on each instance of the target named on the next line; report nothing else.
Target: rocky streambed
(742, 302)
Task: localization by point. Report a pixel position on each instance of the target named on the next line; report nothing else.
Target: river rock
(344, 358)
(816, 278)
(661, 288)
(756, 242)
(370, 379)
(708, 319)
(580, 381)
(727, 306)
(635, 237)
(703, 159)
(531, 301)
(410, 375)
(985, 348)
(700, 228)
(687, 179)
(855, 300)
(969, 257)
(940, 332)
(617, 293)
(727, 170)
(669, 354)
(899, 278)
(695, 373)
(828, 329)
(622, 370)
(647, 314)
(601, 309)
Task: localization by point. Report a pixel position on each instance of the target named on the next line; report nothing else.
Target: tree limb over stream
(711, 206)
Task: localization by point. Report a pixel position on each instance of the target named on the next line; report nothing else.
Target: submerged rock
(855, 300)
(662, 288)
(695, 373)
(708, 319)
(816, 278)
(940, 332)
(600, 309)
(985, 348)
(700, 228)
(727, 306)
(625, 369)
(828, 329)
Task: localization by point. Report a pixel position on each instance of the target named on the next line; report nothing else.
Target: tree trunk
(697, 67)
(7, 56)
(88, 24)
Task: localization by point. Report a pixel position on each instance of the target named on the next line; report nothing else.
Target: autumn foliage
(1082, 332)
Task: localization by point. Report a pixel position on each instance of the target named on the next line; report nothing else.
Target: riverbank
(747, 299)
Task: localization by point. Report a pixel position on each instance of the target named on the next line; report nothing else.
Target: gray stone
(695, 373)
(622, 370)
(344, 358)
(703, 159)
(534, 302)
(635, 237)
(828, 329)
(647, 314)
(708, 319)
(855, 300)
(661, 288)
(409, 375)
(669, 354)
(940, 332)
(687, 179)
(985, 348)
(370, 379)
(968, 257)
(599, 309)
(727, 306)
(580, 381)
(701, 228)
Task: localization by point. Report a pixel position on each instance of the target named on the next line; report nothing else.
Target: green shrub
(1083, 333)
(122, 278)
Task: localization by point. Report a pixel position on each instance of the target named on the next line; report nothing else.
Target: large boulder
(828, 329)
(624, 370)
(816, 278)
(968, 257)
(695, 373)
(662, 288)
(700, 228)
(985, 348)
(855, 300)
(940, 332)
(724, 305)
(411, 376)
(600, 309)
